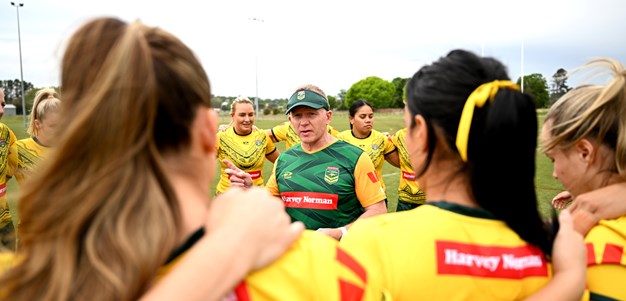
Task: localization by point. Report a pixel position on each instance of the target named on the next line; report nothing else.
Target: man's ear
(329, 116)
(586, 151)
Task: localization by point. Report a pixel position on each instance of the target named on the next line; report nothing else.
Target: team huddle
(122, 209)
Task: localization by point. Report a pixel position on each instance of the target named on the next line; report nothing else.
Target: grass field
(546, 185)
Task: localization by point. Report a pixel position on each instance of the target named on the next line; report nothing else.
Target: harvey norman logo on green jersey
(310, 200)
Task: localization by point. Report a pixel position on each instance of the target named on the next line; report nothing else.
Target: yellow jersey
(29, 152)
(445, 251)
(408, 188)
(376, 145)
(286, 132)
(245, 151)
(606, 260)
(8, 165)
(314, 268)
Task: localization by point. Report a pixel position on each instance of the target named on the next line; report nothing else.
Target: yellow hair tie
(478, 98)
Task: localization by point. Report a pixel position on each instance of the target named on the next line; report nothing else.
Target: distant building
(10, 110)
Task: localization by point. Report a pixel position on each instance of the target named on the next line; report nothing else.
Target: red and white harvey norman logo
(310, 200)
(455, 258)
(408, 176)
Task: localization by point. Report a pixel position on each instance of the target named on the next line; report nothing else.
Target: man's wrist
(344, 231)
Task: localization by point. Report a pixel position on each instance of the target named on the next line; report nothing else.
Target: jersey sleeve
(331, 272)
(606, 260)
(367, 184)
(331, 130)
(362, 243)
(280, 131)
(269, 147)
(394, 138)
(389, 146)
(342, 136)
(272, 185)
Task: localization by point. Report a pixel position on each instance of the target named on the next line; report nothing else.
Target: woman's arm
(569, 264)
(233, 246)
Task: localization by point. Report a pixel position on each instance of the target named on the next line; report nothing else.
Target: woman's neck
(444, 181)
(359, 134)
(192, 192)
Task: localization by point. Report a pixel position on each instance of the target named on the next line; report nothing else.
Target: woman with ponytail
(122, 209)
(584, 134)
(471, 136)
(44, 118)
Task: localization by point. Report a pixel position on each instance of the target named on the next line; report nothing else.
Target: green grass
(546, 185)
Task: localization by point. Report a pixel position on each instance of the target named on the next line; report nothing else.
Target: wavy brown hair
(101, 217)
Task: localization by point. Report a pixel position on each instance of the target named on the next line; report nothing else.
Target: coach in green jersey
(324, 182)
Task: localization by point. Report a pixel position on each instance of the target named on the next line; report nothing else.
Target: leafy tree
(536, 86)
(374, 90)
(13, 93)
(334, 102)
(341, 99)
(559, 85)
(398, 96)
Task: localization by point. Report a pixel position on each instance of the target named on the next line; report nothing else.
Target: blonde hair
(593, 111)
(46, 101)
(101, 217)
(238, 100)
(309, 87)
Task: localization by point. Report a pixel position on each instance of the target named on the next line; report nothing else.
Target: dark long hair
(502, 139)
(356, 106)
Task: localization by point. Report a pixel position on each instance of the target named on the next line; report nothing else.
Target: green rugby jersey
(327, 188)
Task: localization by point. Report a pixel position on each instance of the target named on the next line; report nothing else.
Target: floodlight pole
(19, 41)
(256, 69)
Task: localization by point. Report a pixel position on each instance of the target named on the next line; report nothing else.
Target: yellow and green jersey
(245, 151)
(376, 145)
(29, 152)
(327, 188)
(8, 165)
(445, 251)
(286, 132)
(606, 260)
(314, 268)
(408, 188)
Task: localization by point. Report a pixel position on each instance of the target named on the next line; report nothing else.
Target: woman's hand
(237, 177)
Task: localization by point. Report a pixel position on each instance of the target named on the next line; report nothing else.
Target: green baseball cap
(307, 98)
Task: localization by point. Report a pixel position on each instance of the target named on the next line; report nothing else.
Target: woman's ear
(207, 129)
(586, 151)
(420, 132)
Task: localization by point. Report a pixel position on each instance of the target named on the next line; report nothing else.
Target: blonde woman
(584, 134)
(44, 118)
(124, 199)
(243, 144)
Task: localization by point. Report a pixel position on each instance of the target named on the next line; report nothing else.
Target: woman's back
(449, 252)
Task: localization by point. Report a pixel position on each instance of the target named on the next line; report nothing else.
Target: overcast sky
(329, 43)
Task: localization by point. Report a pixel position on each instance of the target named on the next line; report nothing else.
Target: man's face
(309, 123)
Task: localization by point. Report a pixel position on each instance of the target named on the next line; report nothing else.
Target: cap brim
(306, 104)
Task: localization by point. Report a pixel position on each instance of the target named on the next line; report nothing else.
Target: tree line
(375, 90)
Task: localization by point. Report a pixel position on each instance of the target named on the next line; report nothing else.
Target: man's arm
(372, 210)
(369, 192)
